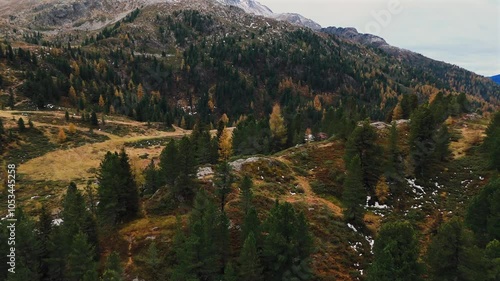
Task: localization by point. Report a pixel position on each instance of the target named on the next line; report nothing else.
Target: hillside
(200, 140)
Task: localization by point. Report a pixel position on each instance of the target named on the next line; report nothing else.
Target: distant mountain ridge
(496, 79)
(256, 8)
(95, 14)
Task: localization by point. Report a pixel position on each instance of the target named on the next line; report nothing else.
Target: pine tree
(396, 252)
(246, 195)
(251, 224)
(287, 246)
(421, 140)
(442, 141)
(44, 230)
(492, 255)
(185, 250)
(2, 129)
(169, 158)
(80, 259)
(186, 162)
(492, 142)
(153, 261)
(152, 181)
(230, 273)
(20, 124)
(113, 270)
(483, 216)
(109, 208)
(224, 179)
(362, 143)
(93, 119)
(11, 102)
(354, 194)
(452, 254)
(395, 168)
(203, 224)
(250, 266)
(129, 192)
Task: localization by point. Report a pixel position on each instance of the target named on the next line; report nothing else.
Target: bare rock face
(298, 20)
(249, 6)
(95, 14)
(352, 34)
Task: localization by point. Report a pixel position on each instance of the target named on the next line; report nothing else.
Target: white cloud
(464, 32)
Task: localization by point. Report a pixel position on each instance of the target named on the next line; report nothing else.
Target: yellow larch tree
(61, 137)
(225, 145)
(277, 125)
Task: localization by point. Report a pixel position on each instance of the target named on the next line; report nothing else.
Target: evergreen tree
(421, 140)
(109, 206)
(186, 163)
(129, 195)
(113, 271)
(93, 119)
(44, 229)
(396, 253)
(395, 168)
(230, 273)
(483, 216)
(251, 224)
(362, 143)
(11, 102)
(492, 255)
(442, 141)
(185, 250)
(153, 262)
(492, 142)
(354, 194)
(169, 158)
(20, 124)
(452, 255)
(81, 265)
(224, 179)
(246, 195)
(287, 246)
(250, 267)
(2, 129)
(152, 179)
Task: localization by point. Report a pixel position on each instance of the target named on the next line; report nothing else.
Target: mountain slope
(444, 75)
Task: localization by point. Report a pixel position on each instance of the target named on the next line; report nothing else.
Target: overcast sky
(461, 32)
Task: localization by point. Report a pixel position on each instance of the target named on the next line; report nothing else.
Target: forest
(321, 163)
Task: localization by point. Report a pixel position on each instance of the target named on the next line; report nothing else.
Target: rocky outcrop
(298, 20)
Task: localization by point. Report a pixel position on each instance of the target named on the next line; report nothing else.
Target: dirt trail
(311, 198)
